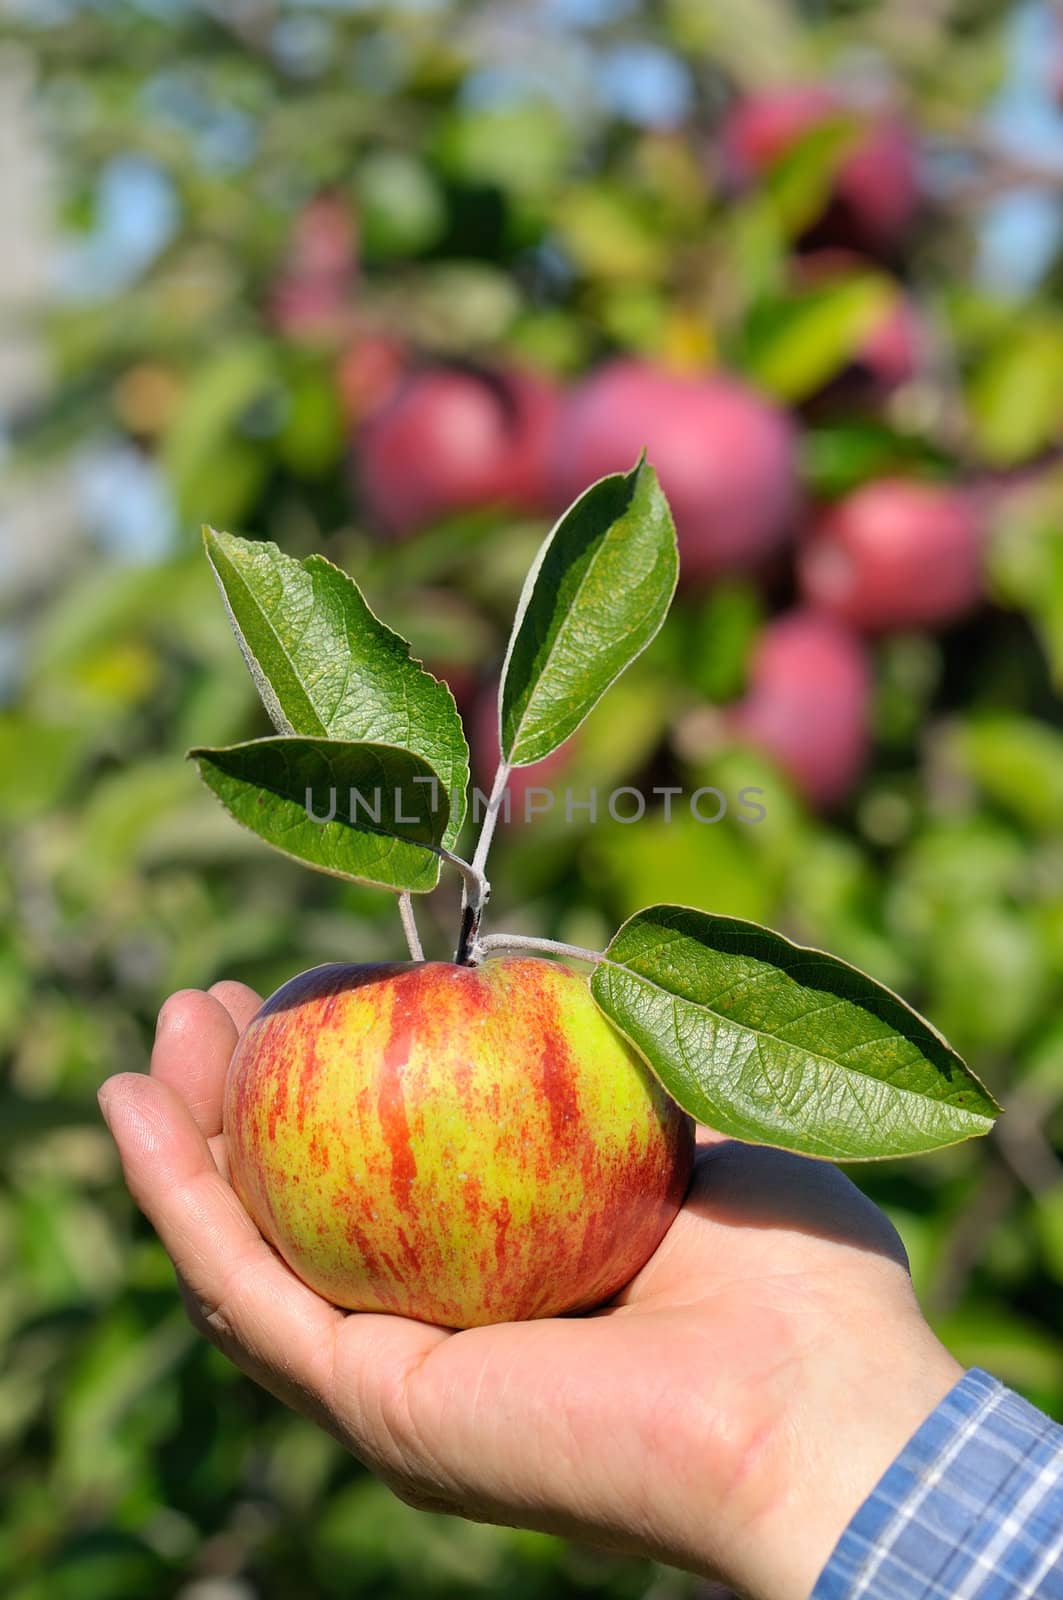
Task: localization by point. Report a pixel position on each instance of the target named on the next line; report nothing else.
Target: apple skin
(876, 190)
(896, 553)
(808, 705)
(725, 455)
(451, 439)
(462, 1145)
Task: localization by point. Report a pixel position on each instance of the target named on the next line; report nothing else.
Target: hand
(727, 1412)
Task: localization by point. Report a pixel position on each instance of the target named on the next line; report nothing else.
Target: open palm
(714, 1411)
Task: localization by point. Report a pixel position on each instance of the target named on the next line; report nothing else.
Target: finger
(194, 1039)
(219, 1151)
(266, 1320)
(340, 1370)
(239, 1000)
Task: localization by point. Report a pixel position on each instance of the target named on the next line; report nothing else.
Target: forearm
(861, 1424)
(972, 1508)
(859, 1404)
(966, 1502)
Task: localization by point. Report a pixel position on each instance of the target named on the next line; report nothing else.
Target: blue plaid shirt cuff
(972, 1508)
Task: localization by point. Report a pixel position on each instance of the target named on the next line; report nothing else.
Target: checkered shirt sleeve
(972, 1508)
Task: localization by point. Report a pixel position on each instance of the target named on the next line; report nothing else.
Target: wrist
(858, 1400)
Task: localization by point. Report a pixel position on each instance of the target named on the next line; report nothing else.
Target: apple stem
(494, 806)
(477, 889)
(470, 921)
(475, 895)
(521, 941)
(409, 926)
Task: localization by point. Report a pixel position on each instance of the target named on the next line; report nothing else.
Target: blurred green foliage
(503, 210)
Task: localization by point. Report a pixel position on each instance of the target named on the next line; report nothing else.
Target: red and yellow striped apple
(463, 1145)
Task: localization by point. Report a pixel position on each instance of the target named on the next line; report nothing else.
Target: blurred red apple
(808, 704)
(725, 456)
(368, 373)
(876, 188)
(451, 439)
(892, 351)
(460, 678)
(311, 297)
(896, 553)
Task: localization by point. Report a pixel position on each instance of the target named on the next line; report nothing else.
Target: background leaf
(1025, 562)
(799, 343)
(156, 379)
(324, 665)
(598, 592)
(1018, 762)
(264, 784)
(214, 470)
(768, 1041)
(1016, 394)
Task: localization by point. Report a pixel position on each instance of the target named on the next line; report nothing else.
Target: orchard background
(393, 282)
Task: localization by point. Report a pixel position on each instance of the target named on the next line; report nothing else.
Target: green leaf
(1025, 562)
(986, 973)
(1014, 1347)
(597, 593)
(799, 343)
(522, 148)
(677, 856)
(609, 233)
(720, 640)
(326, 667)
(841, 454)
(401, 209)
(1048, 1225)
(201, 443)
(754, 41)
(771, 1042)
(1016, 395)
(390, 808)
(37, 761)
(1018, 762)
(801, 180)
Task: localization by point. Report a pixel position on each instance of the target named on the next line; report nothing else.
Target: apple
(808, 704)
(325, 240)
(310, 299)
(896, 553)
(463, 1145)
(892, 351)
(368, 373)
(725, 455)
(876, 189)
(454, 438)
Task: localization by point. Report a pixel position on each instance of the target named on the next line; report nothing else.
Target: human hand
(727, 1412)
